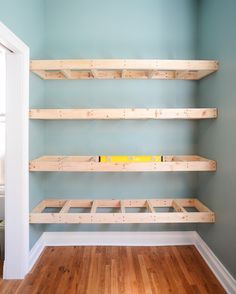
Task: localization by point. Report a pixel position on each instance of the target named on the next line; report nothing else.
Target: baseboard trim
(136, 239)
(118, 238)
(36, 251)
(222, 274)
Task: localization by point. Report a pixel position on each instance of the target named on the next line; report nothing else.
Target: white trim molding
(16, 158)
(9, 40)
(222, 274)
(118, 238)
(136, 239)
(36, 251)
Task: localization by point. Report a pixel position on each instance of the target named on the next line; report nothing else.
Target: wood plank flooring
(117, 270)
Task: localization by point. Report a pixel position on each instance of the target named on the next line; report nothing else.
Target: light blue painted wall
(120, 29)
(217, 40)
(26, 19)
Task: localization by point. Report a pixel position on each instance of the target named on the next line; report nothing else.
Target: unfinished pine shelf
(150, 211)
(124, 113)
(123, 69)
(92, 164)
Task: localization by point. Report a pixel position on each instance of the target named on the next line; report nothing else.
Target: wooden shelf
(92, 164)
(178, 211)
(123, 69)
(125, 113)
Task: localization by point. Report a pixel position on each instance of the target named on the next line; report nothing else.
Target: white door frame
(16, 160)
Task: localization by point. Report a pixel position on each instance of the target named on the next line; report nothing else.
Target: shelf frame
(123, 113)
(179, 211)
(123, 69)
(170, 163)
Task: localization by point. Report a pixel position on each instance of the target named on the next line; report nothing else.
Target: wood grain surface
(117, 270)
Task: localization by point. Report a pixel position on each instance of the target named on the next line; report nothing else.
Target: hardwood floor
(117, 270)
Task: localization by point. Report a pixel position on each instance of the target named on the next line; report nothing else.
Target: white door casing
(16, 160)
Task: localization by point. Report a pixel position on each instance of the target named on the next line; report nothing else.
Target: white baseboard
(118, 238)
(136, 239)
(222, 274)
(36, 251)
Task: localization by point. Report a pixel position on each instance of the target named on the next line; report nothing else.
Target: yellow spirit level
(134, 158)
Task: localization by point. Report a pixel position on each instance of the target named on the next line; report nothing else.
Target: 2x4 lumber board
(93, 207)
(124, 113)
(55, 202)
(200, 206)
(123, 73)
(76, 164)
(41, 73)
(108, 218)
(53, 75)
(116, 74)
(203, 73)
(151, 74)
(60, 159)
(177, 206)
(40, 207)
(116, 203)
(129, 64)
(122, 206)
(66, 73)
(66, 207)
(150, 206)
(94, 73)
(95, 158)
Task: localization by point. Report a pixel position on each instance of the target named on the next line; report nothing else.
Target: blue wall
(123, 29)
(217, 140)
(26, 19)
